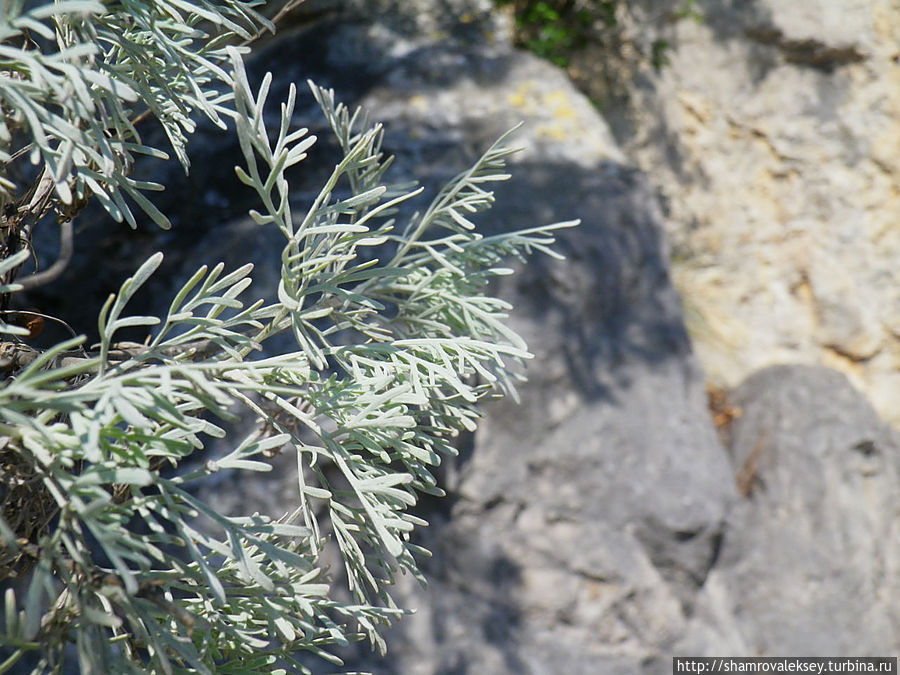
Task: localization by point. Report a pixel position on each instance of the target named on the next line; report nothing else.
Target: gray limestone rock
(811, 554)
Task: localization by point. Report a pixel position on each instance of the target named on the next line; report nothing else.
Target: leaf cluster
(395, 342)
(78, 76)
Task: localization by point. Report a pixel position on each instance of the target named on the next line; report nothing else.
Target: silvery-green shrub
(395, 341)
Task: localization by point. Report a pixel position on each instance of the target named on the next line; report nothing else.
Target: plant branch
(15, 355)
(52, 273)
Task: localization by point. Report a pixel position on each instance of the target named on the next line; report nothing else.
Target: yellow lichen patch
(531, 100)
(551, 132)
(555, 104)
(418, 101)
(560, 104)
(523, 97)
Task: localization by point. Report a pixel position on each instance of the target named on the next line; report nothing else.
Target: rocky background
(773, 137)
(739, 232)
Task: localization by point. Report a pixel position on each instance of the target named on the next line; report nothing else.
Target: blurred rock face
(810, 551)
(774, 137)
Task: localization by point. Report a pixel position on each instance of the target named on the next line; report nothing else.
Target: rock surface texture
(603, 525)
(773, 135)
(810, 551)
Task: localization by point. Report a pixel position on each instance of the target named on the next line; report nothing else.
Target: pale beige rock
(774, 136)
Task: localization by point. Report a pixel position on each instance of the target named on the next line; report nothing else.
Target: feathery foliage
(396, 341)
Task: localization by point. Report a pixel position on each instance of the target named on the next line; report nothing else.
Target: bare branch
(52, 273)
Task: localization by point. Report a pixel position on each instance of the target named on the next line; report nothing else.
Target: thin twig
(15, 355)
(50, 317)
(52, 273)
(288, 7)
(32, 208)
